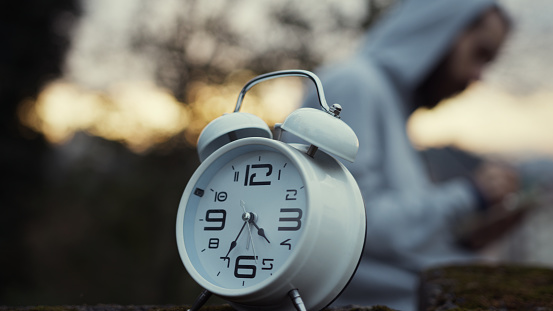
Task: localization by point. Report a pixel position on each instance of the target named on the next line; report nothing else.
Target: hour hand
(260, 231)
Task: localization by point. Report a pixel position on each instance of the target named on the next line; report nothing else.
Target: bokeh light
(490, 121)
(139, 115)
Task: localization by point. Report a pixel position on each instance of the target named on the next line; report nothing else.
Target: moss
(380, 308)
(39, 308)
(163, 308)
(487, 287)
(206, 308)
(114, 308)
(54, 308)
(360, 308)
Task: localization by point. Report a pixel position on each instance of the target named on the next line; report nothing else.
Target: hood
(416, 34)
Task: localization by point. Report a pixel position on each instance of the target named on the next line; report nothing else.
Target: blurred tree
(185, 41)
(34, 38)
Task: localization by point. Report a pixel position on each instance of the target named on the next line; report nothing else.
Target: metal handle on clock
(285, 73)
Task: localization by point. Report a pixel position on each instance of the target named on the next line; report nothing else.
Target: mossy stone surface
(487, 287)
(162, 308)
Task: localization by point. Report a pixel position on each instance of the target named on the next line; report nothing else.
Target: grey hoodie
(409, 219)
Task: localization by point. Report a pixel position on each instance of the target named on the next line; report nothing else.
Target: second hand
(243, 204)
(253, 246)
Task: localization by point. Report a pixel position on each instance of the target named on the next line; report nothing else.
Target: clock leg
(296, 300)
(201, 300)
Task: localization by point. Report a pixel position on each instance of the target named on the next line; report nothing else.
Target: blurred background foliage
(102, 103)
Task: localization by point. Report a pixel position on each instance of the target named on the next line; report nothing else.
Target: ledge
(160, 308)
(486, 287)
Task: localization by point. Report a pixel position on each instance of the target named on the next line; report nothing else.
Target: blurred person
(420, 53)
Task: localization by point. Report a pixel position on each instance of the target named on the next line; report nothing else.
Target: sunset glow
(487, 120)
(141, 115)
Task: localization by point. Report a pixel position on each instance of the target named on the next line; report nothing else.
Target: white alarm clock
(268, 225)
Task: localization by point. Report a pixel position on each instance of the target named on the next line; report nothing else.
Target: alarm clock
(268, 225)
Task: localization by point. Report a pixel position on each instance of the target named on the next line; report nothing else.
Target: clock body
(260, 218)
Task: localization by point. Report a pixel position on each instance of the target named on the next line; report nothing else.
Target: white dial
(245, 217)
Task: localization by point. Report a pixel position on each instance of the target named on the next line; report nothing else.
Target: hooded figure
(409, 219)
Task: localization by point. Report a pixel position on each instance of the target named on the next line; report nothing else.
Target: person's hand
(496, 182)
(499, 185)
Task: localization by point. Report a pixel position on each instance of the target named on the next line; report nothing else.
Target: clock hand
(243, 205)
(260, 231)
(253, 246)
(248, 217)
(233, 243)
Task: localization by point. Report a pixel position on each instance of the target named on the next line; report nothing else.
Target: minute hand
(233, 243)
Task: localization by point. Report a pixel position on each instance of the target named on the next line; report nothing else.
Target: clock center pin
(247, 217)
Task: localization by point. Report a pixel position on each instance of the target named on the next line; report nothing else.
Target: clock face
(244, 217)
